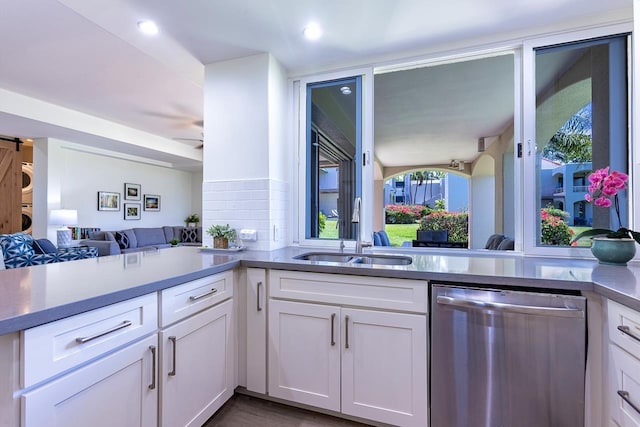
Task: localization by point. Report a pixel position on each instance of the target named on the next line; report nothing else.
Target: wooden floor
(243, 410)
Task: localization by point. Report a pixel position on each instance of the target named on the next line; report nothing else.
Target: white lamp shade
(63, 217)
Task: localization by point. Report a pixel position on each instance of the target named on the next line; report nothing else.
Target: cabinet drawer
(375, 292)
(624, 327)
(58, 346)
(184, 300)
(624, 395)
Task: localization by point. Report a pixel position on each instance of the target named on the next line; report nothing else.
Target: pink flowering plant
(603, 192)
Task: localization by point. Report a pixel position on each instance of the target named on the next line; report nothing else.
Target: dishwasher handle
(510, 308)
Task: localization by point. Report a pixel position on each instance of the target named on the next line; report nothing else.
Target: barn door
(10, 188)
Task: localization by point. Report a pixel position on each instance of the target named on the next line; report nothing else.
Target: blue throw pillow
(43, 246)
(376, 239)
(384, 238)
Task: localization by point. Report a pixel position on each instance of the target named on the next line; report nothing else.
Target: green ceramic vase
(613, 251)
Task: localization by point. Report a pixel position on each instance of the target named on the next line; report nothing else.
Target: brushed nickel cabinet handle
(82, 340)
(627, 331)
(153, 367)
(173, 370)
(206, 294)
(625, 396)
(346, 331)
(258, 306)
(333, 321)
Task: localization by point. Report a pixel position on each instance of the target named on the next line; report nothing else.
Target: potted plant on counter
(609, 246)
(192, 220)
(221, 234)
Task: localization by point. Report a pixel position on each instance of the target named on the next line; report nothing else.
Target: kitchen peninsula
(153, 284)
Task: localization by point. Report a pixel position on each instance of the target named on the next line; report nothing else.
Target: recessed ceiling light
(346, 90)
(148, 27)
(312, 31)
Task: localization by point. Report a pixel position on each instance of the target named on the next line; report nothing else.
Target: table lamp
(63, 217)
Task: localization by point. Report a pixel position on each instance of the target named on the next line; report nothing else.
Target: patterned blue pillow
(122, 239)
(189, 235)
(16, 245)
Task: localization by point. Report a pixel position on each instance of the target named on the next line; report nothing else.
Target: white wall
(75, 175)
(247, 161)
(236, 119)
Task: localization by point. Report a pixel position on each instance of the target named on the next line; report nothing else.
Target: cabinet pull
(123, 325)
(346, 331)
(206, 294)
(173, 370)
(258, 306)
(627, 331)
(153, 367)
(333, 321)
(625, 396)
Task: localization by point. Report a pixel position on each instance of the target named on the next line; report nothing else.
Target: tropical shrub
(553, 228)
(404, 214)
(457, 223)
(322, 222)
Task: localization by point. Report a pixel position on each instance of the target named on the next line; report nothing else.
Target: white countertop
(41, 294)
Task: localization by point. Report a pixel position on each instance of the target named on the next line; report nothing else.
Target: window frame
(529, 203)
(366, 169)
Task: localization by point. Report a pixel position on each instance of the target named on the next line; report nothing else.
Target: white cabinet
(365, 363)
(624, 365)
(384, 369)
(119, 389)
(256, 346)
(95, 368)
(304, 353)
(197, 360)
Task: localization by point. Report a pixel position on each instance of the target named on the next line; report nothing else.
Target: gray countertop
(36, 295)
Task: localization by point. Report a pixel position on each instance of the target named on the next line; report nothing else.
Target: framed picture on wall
(152, 203)
(132, 211)
(132, 191)
(108, 201)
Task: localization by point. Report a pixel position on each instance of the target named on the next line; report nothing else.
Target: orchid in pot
(609, 246)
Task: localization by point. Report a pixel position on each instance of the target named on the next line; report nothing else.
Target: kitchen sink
(352, 258)
(382, 259)
(326, 257)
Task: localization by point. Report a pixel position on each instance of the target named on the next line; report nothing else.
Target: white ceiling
(88, 56)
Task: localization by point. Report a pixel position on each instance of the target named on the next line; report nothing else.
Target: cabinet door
(256, 330)
(197, 367)
(625, 380)
(304, 353)
(117, 390)
(384, 366)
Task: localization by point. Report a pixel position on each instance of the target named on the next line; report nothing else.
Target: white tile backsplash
(258, 204)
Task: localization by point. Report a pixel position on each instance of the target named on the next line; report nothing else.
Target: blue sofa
(141, 239)
(18, 251)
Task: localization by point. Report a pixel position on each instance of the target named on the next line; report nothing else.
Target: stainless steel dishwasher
(506, 358)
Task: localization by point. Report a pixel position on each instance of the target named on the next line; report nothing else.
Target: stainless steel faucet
(355, 219)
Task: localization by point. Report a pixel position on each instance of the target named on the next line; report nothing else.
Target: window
(581, 122)
(333, 153)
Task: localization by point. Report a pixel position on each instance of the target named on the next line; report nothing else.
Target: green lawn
(398, 233)
(330, 230)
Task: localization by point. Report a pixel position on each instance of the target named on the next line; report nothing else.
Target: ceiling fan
(192, 140)
(183, 121)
